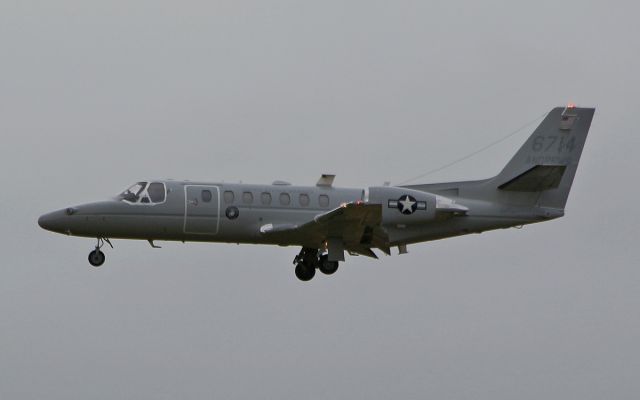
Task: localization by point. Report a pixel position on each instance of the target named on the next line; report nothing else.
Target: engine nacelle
(403, 206)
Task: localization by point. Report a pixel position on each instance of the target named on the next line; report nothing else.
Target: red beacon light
(568, 117)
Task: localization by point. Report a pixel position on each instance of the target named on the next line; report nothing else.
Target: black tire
(305, 273)
(96, 258)
(328, 267)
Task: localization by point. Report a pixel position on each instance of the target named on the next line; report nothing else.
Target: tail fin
(542, 171)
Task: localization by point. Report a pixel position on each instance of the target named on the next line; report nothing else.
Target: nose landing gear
(308, 260)
(97, 257)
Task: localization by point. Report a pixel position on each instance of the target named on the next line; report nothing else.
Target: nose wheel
(97, 257)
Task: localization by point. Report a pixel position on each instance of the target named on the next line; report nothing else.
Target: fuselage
(234, 213)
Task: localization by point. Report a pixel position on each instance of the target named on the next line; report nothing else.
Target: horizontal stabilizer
(536, 179)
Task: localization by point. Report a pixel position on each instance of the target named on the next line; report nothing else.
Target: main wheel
(96, 258)
(305, 273)
(328, 267)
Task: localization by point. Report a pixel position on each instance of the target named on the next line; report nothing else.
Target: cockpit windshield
(144, 193)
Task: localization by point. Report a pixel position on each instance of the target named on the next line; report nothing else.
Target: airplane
(327, 221)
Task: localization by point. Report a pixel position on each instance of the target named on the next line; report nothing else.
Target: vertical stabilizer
(542, 171)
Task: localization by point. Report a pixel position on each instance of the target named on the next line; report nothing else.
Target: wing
(357, 224)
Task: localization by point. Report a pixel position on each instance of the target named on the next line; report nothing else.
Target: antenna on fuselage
(326, 180)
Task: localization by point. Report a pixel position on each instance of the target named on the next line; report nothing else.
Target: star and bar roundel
(407, 205)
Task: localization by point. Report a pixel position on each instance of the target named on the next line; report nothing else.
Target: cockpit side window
(156, 192)
(144, 193)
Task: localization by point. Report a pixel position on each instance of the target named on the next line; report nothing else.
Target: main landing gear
(308, 260)
(97, 257)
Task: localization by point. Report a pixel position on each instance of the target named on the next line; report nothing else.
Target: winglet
(326, 180)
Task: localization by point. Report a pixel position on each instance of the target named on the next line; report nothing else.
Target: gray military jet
(326, 221)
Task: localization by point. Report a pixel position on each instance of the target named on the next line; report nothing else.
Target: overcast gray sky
(95, 95)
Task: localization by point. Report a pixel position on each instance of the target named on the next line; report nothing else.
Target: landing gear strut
(308, 260)
(97, 257)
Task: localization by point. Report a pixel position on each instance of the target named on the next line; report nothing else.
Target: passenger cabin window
(265, 198)
(323, 200)
(304, 199)
(228, 196)
(247, 197)
(206, 196)
(285, 199)
(144, 193)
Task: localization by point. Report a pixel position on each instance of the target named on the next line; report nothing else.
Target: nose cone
(56, 221)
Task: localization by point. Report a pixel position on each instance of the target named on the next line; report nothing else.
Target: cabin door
(201, 209)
